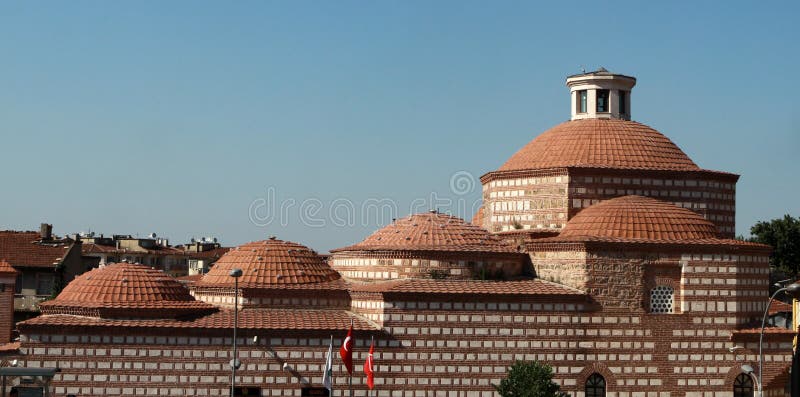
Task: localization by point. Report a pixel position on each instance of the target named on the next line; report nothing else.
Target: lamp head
(236, 273)
(747, 368)
(255, 339)
(733, 349)
(793, 290)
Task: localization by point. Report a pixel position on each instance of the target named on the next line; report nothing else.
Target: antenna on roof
(583, 69)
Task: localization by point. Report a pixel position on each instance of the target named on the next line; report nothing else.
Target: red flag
(368, 367)
(346, 351)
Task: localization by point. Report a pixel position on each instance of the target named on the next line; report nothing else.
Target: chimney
(46, 231)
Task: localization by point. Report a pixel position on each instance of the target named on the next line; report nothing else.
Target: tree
(529, 379)
(784, 237)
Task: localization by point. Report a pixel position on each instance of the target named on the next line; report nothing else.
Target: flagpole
(351, 373)
(371, 344)
(330, 351)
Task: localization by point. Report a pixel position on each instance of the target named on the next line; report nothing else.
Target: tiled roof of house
(605, 143)
(132, 290)
(469, 287)
(212, 253)
(269, 263)
(255, 319)
(637, 217)
(5, 267)
(90, 248)
(25, 249)
(431, 231)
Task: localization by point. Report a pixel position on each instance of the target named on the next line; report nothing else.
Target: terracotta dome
(431, 231)
(269, 263)
(125, 290)
(640, 218)
(604, 143)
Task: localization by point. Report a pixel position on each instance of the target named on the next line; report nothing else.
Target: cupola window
(661, 299)
(582, 100)
(623, 102)
(602, 101)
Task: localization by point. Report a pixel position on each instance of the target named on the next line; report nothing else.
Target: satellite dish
(152, 235)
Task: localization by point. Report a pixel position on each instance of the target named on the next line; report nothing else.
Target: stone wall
(386, 267)
(532, 202)
(428, 347)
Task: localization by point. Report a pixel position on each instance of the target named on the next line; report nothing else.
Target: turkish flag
(346, 351)
(368, 367)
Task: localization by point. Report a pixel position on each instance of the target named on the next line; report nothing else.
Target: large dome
(638, 218)
(269, 263)
(603, 143)
(125, 290)
(431, 231)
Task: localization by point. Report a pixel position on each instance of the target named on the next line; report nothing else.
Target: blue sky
(183, 118)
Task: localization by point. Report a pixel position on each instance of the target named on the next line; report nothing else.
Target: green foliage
(784, 237)
(529, 379)
(516, 224)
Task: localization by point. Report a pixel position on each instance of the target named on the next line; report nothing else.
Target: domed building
(429, 245)
(624, 280)
(275, 273)
(597, 155)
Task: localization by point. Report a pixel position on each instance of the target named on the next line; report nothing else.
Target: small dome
(125, 290)
(429, 245)
(636, 217)
(604, 143)
(268, 263)
(431, 231)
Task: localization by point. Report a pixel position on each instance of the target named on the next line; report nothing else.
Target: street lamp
(794, 291)
(235, 273)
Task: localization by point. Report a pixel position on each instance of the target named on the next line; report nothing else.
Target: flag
(368, 366)
(327, 375)
(346, 351)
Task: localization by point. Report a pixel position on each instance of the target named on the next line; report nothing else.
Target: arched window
(661, 299)
(595, 386)
(743, 386)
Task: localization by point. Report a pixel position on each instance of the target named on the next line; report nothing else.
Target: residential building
(44, 262)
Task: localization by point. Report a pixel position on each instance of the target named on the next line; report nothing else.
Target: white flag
(327, 376)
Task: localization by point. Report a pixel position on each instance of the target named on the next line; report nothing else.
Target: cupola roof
(125, 290)
(269, 263)
(639, 218)
(601, 143)
(431, 231)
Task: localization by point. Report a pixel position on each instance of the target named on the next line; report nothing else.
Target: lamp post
(794, 291)
(235, 273)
